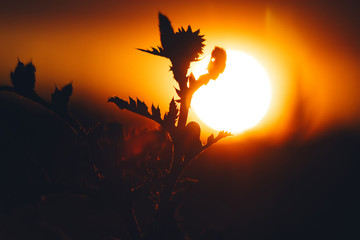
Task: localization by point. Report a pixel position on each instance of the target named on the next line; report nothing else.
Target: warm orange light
(238, 99)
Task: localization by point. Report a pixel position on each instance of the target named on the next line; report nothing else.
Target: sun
(238, 99)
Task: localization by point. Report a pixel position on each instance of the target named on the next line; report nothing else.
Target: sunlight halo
(238, 99)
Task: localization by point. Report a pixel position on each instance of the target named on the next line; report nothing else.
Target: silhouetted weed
(137, 177)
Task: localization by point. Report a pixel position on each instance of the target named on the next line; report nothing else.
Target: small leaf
(132, 104)
(67, 89)
(23, 78)
(171, 117)
(173, 108)
(141, 107)
(210, 139)
(158, 52)
(119, 102)
(222, 134)
(60, 98)
(156, 115)
(166, 31)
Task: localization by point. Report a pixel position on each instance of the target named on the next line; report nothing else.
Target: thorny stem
(166, 211)
(182, 79)
(184, 111)
(188, 92)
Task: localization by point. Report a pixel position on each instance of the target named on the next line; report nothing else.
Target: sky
(310, 50)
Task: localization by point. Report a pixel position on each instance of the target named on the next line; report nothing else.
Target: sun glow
(238, 99)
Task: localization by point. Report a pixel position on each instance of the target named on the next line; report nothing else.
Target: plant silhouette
(116, 171)
(181, 48)
(61, 180)
(23, 80)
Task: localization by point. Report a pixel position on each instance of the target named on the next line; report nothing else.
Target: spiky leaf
(210, 139)
(122, 104)
(138, 107)
(23, 78)
(141, 107)
(156, 114)
(132, 104)
(171, 116)
(222, 134)
(60, 98)
(155, 51)
(166, 31)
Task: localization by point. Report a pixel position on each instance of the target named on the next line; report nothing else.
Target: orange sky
(309, 48)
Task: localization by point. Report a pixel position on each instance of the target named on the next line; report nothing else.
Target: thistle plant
(181, 48)
(23, 80)
(97, 158)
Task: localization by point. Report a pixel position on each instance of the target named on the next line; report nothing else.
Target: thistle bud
(23, 78)
(217, 62)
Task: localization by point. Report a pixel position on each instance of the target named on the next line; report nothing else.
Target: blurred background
(309, 49)
(295, 175)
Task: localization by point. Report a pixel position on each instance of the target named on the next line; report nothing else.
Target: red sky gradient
(309, 48)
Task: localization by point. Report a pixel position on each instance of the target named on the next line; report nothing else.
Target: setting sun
(180, 120)
(238, 99)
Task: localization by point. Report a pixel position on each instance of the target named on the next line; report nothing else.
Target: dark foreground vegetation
(61, 180)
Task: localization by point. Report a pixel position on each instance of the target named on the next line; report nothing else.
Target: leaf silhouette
(222, 134)
(141, 107)
(132, 104)
(166, 38)
(60, 98)
(171, 116)
(138, 107)
(166, 31)
(211, 140)
(23, 78)
(158, 52)
(156, 114)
